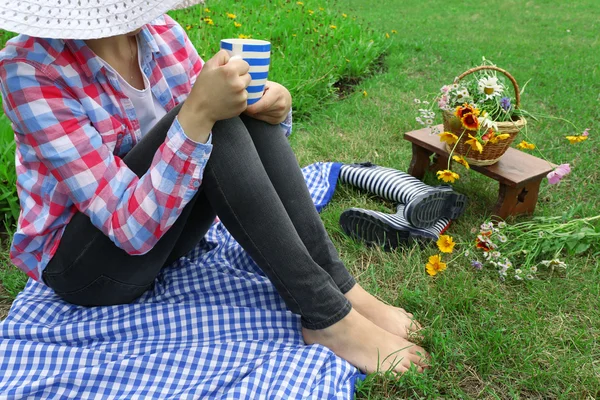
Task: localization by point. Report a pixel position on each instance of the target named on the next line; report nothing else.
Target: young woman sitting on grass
(118, 177)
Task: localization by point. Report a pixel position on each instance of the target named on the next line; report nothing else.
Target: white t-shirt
(147, 108)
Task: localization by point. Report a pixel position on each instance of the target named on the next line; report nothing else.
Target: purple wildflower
(505, 103)
(559, 172)
(476, 264)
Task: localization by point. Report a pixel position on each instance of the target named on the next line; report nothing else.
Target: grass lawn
(488, 339)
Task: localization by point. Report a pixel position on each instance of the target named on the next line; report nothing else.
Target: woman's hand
(219, 93)
(274, 105)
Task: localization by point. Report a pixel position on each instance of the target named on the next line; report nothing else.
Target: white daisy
(486, 123)
(490, 86)
(462, 96)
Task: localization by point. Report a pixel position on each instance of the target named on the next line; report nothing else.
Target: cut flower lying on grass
(482, 116)
(521, 251)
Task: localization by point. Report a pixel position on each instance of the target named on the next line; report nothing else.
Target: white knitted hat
(82, 19)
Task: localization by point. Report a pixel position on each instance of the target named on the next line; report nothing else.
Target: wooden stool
(519, 174)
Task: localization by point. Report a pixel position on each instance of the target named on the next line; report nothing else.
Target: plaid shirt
(73, 124)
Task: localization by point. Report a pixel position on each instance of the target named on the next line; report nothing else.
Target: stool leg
(419, 162)
(517, 201)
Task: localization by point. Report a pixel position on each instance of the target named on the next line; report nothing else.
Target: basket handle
(509, 76)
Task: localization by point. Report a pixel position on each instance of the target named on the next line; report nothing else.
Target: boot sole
(373, 231)
(425, 209)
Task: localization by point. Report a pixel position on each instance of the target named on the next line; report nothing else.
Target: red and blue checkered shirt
(73, 124)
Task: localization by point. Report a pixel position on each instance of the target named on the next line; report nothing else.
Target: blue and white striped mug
(257, 53)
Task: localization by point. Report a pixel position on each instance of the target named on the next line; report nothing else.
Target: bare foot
(393, 319)
(367, 346)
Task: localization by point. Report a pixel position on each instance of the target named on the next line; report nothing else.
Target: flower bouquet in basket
(482, 116)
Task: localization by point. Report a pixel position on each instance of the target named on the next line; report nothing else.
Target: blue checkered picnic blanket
(212, 327)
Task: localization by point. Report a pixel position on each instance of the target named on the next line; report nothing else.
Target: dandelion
(209, 21)
(446, 244)
(311, 12)
(394, 31)
(470, 121)
(188, 27)
(462, 161)
(387, 35)
(365, 94)
(236, 24)
(525, 145)
(321, 9)
(300, 3)
(206, 10)
(344, 15)
(477, 265)
(474, 143)
(242, 36)
(435, 265)
(231, 16)
(447, 176)
(333, 26)
(558, 173)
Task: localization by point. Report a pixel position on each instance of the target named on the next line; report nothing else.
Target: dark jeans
(254, 184)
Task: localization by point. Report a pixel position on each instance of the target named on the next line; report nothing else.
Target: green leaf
(581, 247)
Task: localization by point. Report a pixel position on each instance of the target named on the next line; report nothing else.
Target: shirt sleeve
(134, 212)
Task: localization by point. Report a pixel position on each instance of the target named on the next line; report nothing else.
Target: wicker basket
(492, 152)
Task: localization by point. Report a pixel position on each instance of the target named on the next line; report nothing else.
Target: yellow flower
(447, 176)
(365, 93)
(242, 36)
(188, 27)
(333, 26)
(206, 10)
(474, 143)
(231, 16)
(344, 15)
(448, 137)
(387, 35)
(394, 31)
(321, 9)
(576, 139)
(435, 265)
(525, 145)
(209, 21)
(294, 35)
(461, 160)
(311, 12)
(236, 24)
(300, 3)
(503, 136)
(445, 243)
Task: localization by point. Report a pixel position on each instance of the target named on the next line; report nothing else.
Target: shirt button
(196, 183)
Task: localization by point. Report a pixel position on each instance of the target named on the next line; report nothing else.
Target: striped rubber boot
(425, 204)
(388, 230)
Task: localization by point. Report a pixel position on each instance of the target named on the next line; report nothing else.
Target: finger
(263, 105)
(240, 66)
(221, 58)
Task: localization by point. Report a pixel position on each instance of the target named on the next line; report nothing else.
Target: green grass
(488, 339)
